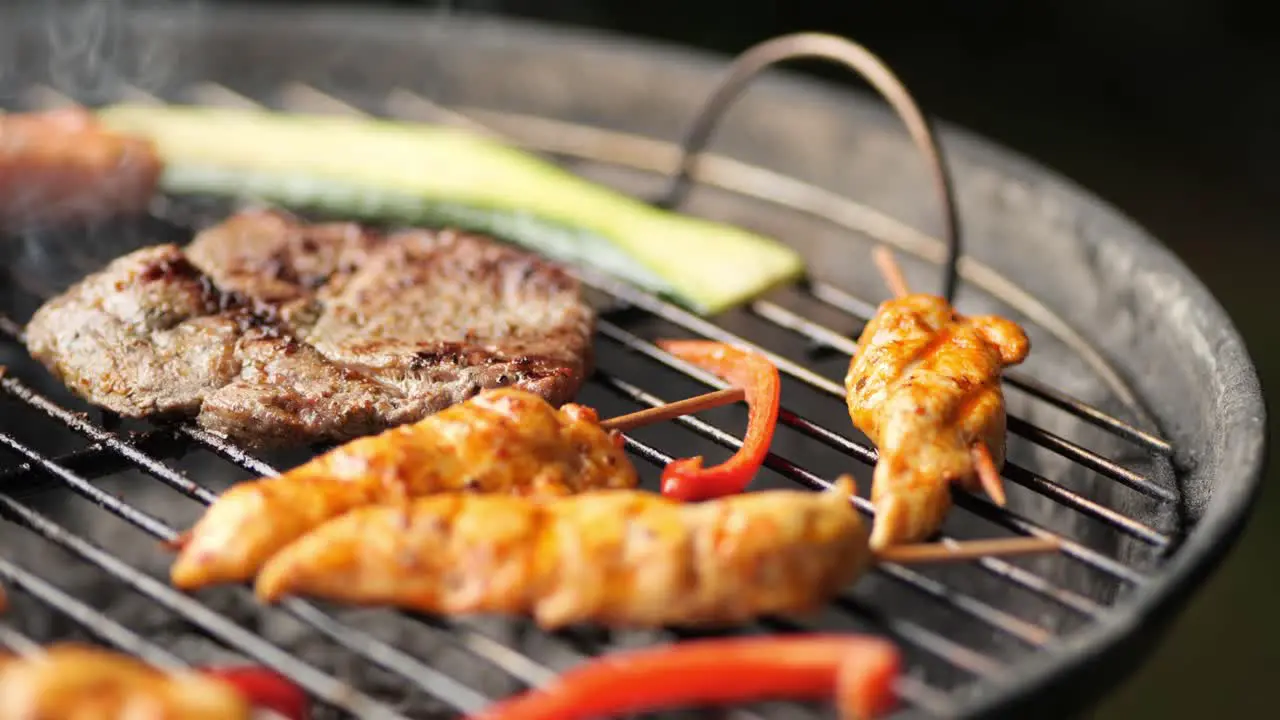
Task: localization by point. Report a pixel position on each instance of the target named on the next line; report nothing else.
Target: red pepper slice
(265, 690)
(686, 479)
(858, 672)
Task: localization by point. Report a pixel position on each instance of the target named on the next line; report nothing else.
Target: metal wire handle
(747, 66)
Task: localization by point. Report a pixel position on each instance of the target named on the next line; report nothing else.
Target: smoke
(84, 44)
(92, 50)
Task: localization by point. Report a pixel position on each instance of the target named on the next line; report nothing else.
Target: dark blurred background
(1166, 108)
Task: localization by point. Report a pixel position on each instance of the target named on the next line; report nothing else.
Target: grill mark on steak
(275, 332)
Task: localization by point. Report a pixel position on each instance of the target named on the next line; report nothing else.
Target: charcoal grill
(1136, 425)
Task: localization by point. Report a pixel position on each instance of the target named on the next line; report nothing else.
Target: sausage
(63, 166)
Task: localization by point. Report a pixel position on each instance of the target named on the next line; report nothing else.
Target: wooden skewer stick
(673, 410)
(890, 271)
(988, 475)
(985, 466)
(955, 551)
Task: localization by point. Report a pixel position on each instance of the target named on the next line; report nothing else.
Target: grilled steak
(273, 332)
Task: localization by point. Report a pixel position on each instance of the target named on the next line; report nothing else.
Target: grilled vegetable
(443, 176)
(618, 558)
(501, 441)
(858, 671)
(265, 690)
(686, 479)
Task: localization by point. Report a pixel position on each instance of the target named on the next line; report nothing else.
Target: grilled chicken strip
(626, 559)
(501, 441)
(62, 166)
(70, 682)
(925, 388)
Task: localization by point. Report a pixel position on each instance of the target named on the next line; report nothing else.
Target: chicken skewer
(924, 386)
(500, 441)
(623, 559)
(71, 681)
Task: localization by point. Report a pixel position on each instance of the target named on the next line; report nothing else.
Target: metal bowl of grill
(1137, 424)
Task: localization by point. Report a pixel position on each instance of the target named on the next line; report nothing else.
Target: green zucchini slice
(374, 169)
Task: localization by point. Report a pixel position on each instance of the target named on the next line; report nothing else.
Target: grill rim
(1106, 646)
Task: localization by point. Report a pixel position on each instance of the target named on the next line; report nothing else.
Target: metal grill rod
(228, 451)
(107, 439)
(87, 617)
(26, 479)
(16, 641)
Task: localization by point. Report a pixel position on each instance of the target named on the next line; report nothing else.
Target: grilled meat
(623, 558)
(70, 682)
(502, 441)
(273, 332)
(61, 166)
(925, 388)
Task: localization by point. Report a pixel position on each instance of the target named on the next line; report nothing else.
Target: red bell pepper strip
(265, 690)
(858, 672)
(686, 479)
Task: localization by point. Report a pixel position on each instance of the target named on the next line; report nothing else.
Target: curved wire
(823, 46)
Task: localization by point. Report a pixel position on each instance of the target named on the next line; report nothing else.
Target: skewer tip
(673, 410)
(954, 551)
(177, 543)
(988, 474)
(890, 271)
(845, 485)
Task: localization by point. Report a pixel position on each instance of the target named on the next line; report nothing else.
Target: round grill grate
(1136, 425)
